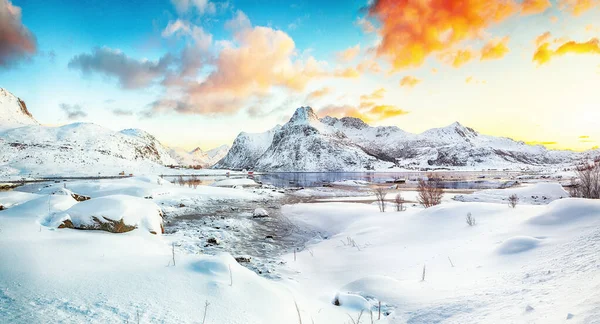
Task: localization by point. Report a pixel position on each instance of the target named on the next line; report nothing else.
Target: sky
(195, 73)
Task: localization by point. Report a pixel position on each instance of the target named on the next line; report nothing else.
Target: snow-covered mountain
(307, 143)
(198, 156)
(247, 148)
(27, 148)
(13, 111)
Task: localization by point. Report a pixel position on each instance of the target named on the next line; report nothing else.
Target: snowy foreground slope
(307, 143)
(532, 264)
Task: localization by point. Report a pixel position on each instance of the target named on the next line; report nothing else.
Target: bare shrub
(399, 201)
(358, 318)
(430, 192)
(587, 181)
(206, 304)
(513, 200)
(470, 220)
(380, 193)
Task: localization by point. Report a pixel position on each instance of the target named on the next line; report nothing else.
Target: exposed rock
(243, 259)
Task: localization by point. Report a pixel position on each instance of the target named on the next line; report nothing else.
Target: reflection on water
(450, 179)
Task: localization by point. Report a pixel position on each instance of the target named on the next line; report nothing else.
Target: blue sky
(281, 55)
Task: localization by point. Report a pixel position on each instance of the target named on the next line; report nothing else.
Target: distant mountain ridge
(79, 149)
(309, 143)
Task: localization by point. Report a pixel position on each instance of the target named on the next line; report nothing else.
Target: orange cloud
(577, 7)
(495, 49)
(367, 109)
(413, 30)
(347, 73)
(543, 38)
(377, 94)
(457, 58)
(531, 7)
(544, 53)
(349, 54)
(319, 93)
(248, 67)
(368, 66)
(375, 113)
(409, 81)
(471, 80)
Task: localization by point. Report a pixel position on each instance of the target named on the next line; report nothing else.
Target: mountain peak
(13, 111)
(304, 115)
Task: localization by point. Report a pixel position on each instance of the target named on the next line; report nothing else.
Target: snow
(12, 198)
(537, 257)
(307, 143)
(235, 182)
(13, 111)
(518, 244)
(141, 213)
(350, 183)
(505, 262)
(538, 193)
(566, 211)
(260, 212)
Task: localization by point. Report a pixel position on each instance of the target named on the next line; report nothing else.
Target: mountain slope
(198, 156)
(247, 148)
(13, 111)
(79, 149)
(307, 143)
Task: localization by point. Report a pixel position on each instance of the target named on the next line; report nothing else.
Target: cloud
(366, 25)
(368, 65)
(122, 112)
(471, 80)
(577, 7)
(367, 109)
(73, 111)
(532, 7)
(411, 30)
(195, 52)
(495, 49)
(543, 38)
(16, 41)
(202, 6)
(548, 143)
(347, 73)
(372, 114)
(319, 93)
(349, 54)
(377, 94)
(457, 58)
(409, 81)
(256, 61)
(131, 73)
(544, 53)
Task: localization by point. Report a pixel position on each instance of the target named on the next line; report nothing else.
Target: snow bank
(566, 211)
(235, 182)
(13, 198)
(518, 244)
(350, 183)
(106, 212)
(41, 207)
(536, 194)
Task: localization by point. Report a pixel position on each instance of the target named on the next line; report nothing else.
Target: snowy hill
(13, 111)
(307, 143)
(79, 149)
(199, 157)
